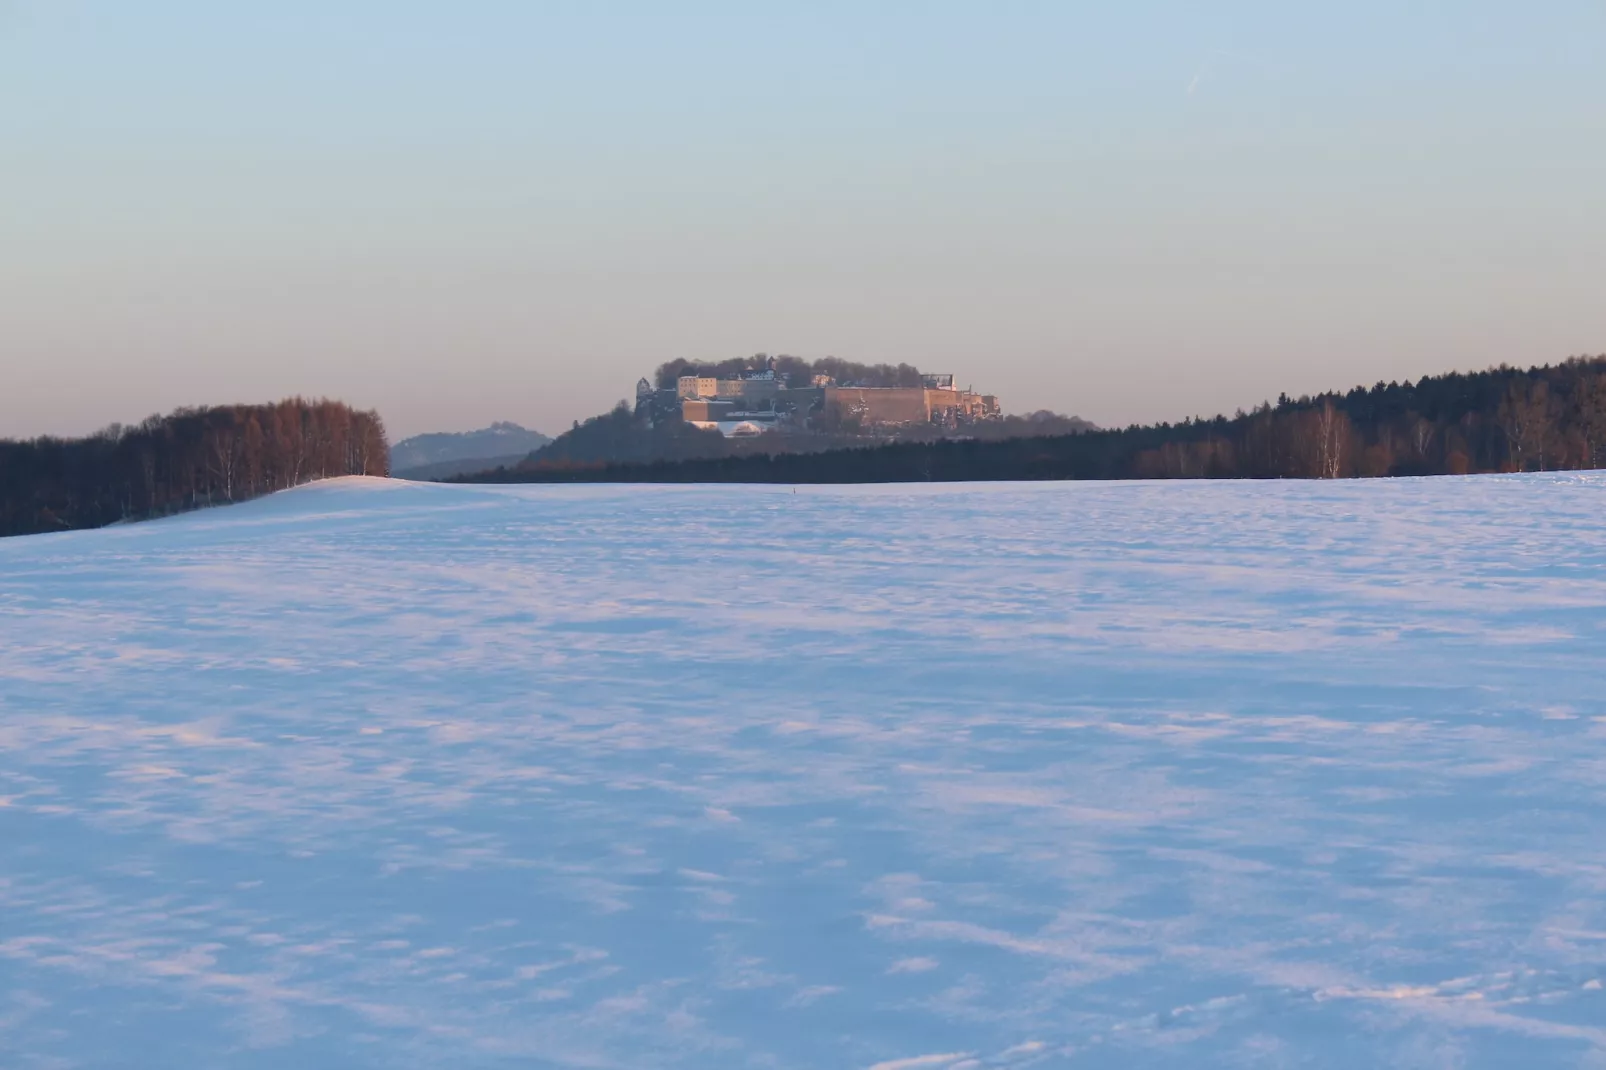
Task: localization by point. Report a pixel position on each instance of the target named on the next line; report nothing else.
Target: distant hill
(623, 437)
(472, 451)
(466, 467)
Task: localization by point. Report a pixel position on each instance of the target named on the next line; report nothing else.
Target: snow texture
(943, 777)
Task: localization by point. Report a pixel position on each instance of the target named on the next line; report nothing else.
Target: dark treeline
(186, 460)
(1500, 420)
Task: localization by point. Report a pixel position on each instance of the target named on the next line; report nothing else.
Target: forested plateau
(1503, 419)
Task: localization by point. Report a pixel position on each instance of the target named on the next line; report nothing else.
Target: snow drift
(1172, 774)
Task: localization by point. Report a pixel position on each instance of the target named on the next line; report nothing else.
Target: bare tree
(1422, 432)
(223, 455)
(1332, 440)
(1526, 417)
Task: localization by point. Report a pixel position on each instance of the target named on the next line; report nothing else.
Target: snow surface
(1158, 775)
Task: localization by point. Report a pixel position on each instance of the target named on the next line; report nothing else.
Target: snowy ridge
(373, 773)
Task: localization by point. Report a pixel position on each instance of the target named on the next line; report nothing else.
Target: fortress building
(749, 389)
(889, 406)
(762, 402)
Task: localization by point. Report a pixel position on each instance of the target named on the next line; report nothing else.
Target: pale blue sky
(460, 212)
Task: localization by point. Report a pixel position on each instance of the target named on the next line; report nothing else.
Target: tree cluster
(795, 371)
(186, 460)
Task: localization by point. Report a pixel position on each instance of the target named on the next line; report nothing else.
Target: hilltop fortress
(767, 399)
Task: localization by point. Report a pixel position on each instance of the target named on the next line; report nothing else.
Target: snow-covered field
(1178, 774)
